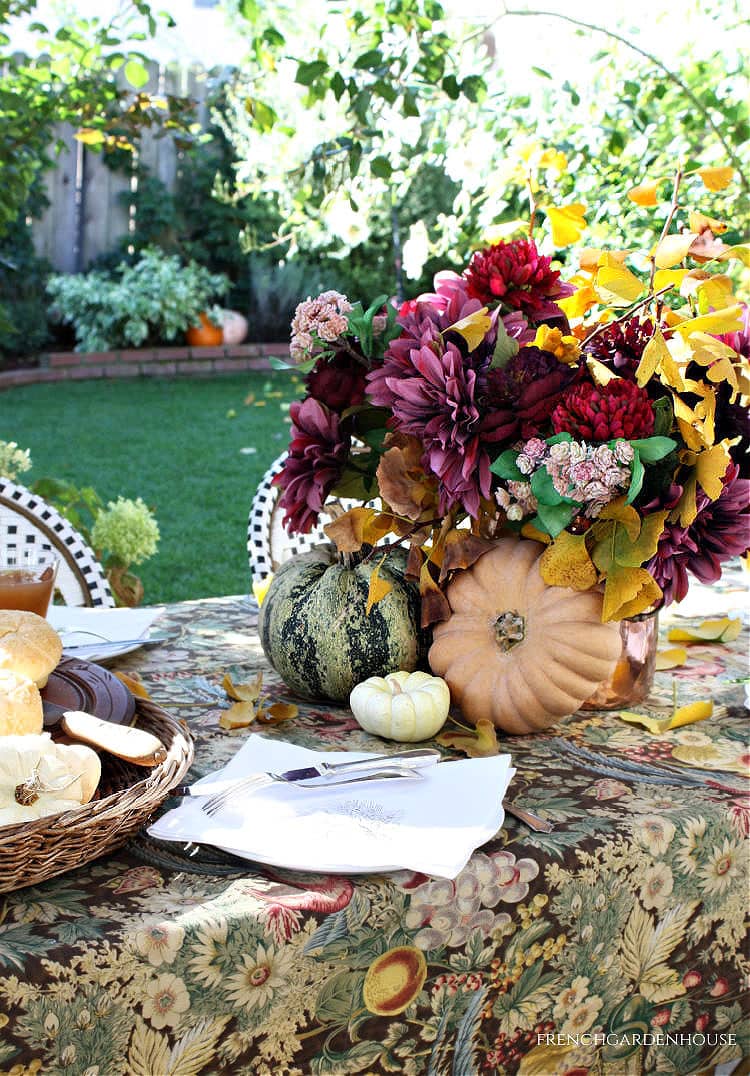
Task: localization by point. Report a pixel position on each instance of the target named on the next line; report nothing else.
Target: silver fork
(213, 804)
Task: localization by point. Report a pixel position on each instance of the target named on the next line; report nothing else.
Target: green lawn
(178, 445)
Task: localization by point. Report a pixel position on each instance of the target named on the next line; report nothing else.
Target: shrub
(153, 301)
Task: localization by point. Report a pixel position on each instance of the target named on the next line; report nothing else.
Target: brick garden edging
(146, 362)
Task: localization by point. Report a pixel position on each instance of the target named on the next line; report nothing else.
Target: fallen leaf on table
(249, 692)
(261, 587)
(238, 716)
(479, 742)
(133, 681)
(670, 659)
(683, 715)
(723, 630)
(276, 713)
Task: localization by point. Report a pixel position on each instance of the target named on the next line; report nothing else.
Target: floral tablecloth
(615, 944)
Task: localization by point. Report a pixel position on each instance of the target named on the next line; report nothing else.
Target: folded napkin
(81, 626)
(432, 825)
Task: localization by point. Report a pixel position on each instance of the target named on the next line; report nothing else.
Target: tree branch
(652, 59)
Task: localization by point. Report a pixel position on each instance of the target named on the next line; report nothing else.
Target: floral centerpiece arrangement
(600, 412)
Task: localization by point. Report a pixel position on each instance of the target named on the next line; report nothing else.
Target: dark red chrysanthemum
(530, 385)
(338, 382)
(518, 276)
(317, 455)
(621, 345)
(720, 530)
(618, 409)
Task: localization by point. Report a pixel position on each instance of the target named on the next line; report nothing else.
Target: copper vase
(633, 675)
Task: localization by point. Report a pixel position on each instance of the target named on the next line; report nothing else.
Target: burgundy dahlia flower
(530, 385)
(621, 345)
(518, 276)
(618, 409)
(317, 455)
(432, 394)
(338, 383)
(720, 530)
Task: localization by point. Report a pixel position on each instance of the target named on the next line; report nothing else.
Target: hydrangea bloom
(322, 319)
(127, 530)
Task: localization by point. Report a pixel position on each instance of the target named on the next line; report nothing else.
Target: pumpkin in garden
(516, 650)
(205, 335)
(402, 706)
(317, 633)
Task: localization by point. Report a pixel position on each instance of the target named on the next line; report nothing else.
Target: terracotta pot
(633, 675)
(205, 335)
(234, 327)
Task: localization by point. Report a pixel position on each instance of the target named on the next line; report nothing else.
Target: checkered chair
(29, 524)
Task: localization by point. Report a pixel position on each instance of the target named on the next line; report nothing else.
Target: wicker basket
(128, 795)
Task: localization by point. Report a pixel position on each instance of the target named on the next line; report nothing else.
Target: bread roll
(20, 706)
(29, 646)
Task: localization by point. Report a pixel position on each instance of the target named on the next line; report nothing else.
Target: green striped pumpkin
(315, 630)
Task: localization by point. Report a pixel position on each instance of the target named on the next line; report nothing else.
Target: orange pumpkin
(517, 650)
(206, 334)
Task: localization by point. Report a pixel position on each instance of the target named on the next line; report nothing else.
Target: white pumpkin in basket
(401, 706)
(39, 777)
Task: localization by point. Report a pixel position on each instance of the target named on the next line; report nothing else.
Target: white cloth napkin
(432, 825)
(81, 626)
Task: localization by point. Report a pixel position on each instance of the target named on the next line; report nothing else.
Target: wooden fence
(89, 203)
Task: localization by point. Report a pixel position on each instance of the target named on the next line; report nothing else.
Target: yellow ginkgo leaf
(721, 630)
(699, 222)
(567, 563)
(277, 712)
(567, 223)
(670, 659)
(715, 293)
(472, 328)
(672, 278)
(672, 249)
(377, 589)
(654, 354)
(479, 742)
(728, 320)
(261, 587)
(716, 178)
(710, 468)
(683, 715)
(740, 253)
(582, 299)
(617, 286)
(644, 194)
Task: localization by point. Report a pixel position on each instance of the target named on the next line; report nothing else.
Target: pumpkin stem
(510, 630)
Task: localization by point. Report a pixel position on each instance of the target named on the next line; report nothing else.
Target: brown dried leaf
(277, 712)
(357, 527)
(462, 549)
(435, 605)
(133, 682)
(479, 742)
(249, 692)
(402, 482)
(238, 716)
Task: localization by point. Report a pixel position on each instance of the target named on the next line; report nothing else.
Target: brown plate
(81, 685)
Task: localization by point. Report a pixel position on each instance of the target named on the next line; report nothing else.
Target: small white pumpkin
(39, 777)
(402, 706)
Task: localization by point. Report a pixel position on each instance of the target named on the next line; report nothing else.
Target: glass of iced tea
(27, 580)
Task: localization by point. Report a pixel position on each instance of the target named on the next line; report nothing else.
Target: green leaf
(410, 106)
(136, 74)
(637, 478)
(651, 449)
(544, 490)
(505, 466)
(338, 86)
(474, 88)
(552, 519)
(541, 72)
(307, 73)
(663, 416)
(381, 167)
(369, 60)
(451, 87)
(505, 346)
